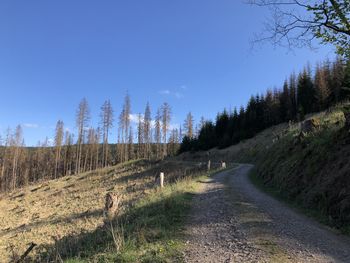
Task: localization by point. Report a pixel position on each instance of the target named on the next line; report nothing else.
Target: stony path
(232, 221)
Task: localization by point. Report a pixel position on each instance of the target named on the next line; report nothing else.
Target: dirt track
(232, 221)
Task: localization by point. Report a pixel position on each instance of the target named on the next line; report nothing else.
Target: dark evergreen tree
(293, 95)
(305, 93)
(337, 77)
(286, 111)
(222, 122)
(322, 88)
(346, 81)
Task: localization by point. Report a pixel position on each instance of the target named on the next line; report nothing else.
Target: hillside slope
(313, 170)
(65, 216)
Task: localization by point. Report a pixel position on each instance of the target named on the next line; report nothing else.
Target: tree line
(300, 94)
(90, 147)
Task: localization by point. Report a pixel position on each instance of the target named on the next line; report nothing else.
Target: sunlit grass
(152, 228)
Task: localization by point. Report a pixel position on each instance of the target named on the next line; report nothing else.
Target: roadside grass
(150, 231)
(310, 173)
(280, 195)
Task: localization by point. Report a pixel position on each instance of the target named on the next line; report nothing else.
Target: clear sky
(194, 54)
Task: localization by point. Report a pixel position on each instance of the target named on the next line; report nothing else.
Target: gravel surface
(232, 221)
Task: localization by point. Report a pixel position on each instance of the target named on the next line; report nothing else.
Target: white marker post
(161, 179)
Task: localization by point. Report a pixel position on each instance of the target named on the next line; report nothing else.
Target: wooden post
(208, 165)
(161, 179)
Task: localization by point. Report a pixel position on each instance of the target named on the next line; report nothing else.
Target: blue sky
(194, 54)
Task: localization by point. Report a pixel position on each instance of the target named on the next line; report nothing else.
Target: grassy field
(65, 216)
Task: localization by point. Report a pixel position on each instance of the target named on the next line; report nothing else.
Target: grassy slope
(151, 230)
(65, 216)
(312, 173)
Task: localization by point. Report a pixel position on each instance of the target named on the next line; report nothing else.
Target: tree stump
(310, 125)
(112, 205)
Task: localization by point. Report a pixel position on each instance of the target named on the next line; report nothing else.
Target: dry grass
(72, 205)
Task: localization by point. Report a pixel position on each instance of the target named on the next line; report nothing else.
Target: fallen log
(26, 253)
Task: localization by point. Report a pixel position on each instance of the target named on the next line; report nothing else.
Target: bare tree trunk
(14, 168)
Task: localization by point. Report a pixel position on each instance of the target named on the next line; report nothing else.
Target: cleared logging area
(65, 217)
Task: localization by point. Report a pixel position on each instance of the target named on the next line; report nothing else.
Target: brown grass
(49, 211)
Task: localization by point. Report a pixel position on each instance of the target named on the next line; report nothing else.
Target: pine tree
(173, 142)
(157, 134)
(337, 79)
(6, 160)
(166, 118)
(124, 127)
(16, 144)
(305, 93)
(68, 154)
(58, 145)
(91, 144)
(285, 102)
(207, 137)
(140, 139)
(346, 81)
(293, 96)
(82, 119)
(188, 125)
(131, 144)
(222, 121)
(97, 146)
(147, 127)
(106, 121)
(202, 122)
(121, 137)
(321, 87)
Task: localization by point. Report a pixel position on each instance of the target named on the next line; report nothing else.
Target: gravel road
(232, 221)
